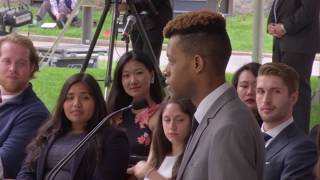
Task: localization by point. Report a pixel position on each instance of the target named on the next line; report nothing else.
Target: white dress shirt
(206, 103)
(274, 132)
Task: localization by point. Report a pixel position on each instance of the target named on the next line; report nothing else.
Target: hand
(279, 30)
(275, 30)
(140, 169)
(57, 16)
(271, 28)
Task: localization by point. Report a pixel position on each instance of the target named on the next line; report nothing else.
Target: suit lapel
(281, 141)
(76, 160)
(43, 158)
(278, 5)
(208, 118)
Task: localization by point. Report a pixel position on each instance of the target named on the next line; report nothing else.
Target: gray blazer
(227, 144)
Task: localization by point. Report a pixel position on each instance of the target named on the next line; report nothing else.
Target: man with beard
(21, 111)
(289, 152)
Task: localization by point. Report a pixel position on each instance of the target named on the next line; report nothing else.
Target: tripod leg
(114, 30)
(96, 35)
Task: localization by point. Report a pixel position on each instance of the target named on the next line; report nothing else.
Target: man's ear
(32, 69)
(198, 63)
(294, 97)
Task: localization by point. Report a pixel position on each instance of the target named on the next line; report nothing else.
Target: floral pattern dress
(138, 132)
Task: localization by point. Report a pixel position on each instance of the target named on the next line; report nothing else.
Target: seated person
(135, 78)
(245, 80)
(80, 107)
(317, 140)
(314, 132)
(169, 142)
(21, 111)
(290, 153)
(59, 10)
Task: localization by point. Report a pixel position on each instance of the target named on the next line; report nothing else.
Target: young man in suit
(294, 25)
(227, 144)
(21, 111)
(290, 154)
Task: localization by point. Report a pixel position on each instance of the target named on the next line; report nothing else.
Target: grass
(240, 29)
(70, 32)
(49, 80)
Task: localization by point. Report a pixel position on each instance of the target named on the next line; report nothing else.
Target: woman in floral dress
(135, 78)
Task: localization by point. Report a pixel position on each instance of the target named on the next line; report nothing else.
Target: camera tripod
(114, 29)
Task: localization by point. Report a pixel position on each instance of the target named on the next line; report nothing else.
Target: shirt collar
(274, 132)
(206, 103)
(10, 98)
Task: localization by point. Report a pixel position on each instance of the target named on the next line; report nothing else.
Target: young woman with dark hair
(80, 107)
(245, 80)
(169, 140)
(135, 78)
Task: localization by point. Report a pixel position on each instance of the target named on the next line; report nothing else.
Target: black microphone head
(139, 104)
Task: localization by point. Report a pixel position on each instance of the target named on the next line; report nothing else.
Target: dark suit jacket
(159, 12)
(227, 144)
(291, 155)
(301, 21)
(112, 167)
(19, 121)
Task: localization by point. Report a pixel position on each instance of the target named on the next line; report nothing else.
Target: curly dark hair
(202, 32)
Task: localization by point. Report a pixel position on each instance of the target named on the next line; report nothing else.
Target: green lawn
(49, 80)
(239, 28)
(70, 32)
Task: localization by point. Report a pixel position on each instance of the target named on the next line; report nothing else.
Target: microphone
(131, 20)
(139, 104)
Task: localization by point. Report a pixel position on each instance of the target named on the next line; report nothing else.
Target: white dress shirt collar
(274, 132)
(206, 103)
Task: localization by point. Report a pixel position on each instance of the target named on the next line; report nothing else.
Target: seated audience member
(245, 81)
(317, 166)
(314, 132)
(21, 111)
(290, 154)
(169, 141)
(135, 78)
(80, 107)
(58, 10)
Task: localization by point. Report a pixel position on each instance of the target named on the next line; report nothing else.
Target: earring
(152, 80)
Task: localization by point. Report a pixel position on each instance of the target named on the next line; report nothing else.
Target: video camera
(14, 17)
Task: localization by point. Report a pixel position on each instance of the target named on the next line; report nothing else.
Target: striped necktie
(194, 126)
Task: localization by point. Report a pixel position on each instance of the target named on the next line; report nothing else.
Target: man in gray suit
(227, 143)
(290, 154)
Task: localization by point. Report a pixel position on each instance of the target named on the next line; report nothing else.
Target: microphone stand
(127, 41)
(54, 171)
(141, 30)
